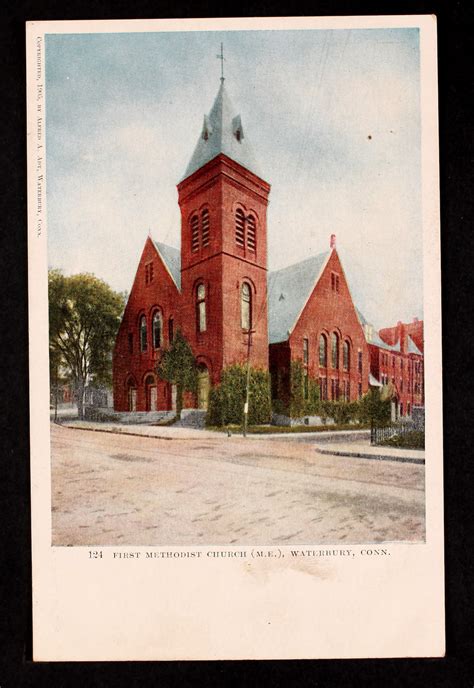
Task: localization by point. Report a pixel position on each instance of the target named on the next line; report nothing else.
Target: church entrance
(203, 387)
(151, 393)
(132, 398)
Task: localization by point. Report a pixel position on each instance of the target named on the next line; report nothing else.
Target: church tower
(223, 201)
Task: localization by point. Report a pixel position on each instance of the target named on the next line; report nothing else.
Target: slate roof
(288, 291)
(412, 347)
(377, 341)
(361, 317)
(172, 259)
(222, 132)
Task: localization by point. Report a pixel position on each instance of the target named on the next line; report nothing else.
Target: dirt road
(109, 489)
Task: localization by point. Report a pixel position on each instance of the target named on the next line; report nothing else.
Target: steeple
(222, 132)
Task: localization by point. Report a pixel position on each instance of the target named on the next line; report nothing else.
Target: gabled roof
(373, 337)
(288, 291)
(222, 132)
(412, 347)
(171, 258)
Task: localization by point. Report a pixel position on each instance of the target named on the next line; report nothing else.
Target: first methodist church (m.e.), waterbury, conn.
(217, 288)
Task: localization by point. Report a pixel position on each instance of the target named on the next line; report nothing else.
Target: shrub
(407, 440)
(226, 401)
(299, 406)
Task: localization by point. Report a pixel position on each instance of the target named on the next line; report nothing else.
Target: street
(109, 489)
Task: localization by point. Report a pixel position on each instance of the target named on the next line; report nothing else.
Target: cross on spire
(222, 58)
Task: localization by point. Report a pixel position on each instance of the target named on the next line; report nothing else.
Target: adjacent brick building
(396, 363)
(217, 288)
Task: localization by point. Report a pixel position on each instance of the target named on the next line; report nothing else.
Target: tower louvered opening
(194, 233)
(205, 227)
(251, 233)
(239, 228)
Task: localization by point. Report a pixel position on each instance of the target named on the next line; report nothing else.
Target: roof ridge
(299, 262)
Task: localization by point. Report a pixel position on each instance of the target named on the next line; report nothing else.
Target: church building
(217, 288)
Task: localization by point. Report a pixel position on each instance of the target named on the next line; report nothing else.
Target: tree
(178, 367)
(84, 316)
(374, 407)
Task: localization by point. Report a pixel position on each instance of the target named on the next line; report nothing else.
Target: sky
(333, 117)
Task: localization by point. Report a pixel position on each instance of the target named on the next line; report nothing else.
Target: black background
(455, 38)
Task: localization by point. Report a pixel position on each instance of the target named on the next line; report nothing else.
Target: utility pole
(247, 391)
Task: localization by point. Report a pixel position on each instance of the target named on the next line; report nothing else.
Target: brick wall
(129, 361)
(330, 310)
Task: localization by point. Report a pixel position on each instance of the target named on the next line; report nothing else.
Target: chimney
(332, 243)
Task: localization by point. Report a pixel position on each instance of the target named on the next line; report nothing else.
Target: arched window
(143, 334)
(246, 307)
(251, 233)
(239, 227)
(157, 329)
(194, 233)
(346, 356)
(201, 308)
(323, 351)
(335, 350)
(205, 227)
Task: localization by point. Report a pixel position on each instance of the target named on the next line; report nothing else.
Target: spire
(222, 58)
(222, 132)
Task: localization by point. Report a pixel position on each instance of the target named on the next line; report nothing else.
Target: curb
(134, 434)
(374, 457)
(320, 436)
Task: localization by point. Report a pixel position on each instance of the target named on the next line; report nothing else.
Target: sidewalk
(363, 450)
(161, 432)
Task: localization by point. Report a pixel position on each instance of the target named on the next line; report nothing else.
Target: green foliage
(373, 408)
(84, 316)
(299, 405)
(312, 403)
(178, 366)
(297, 400)
(407, 440)
(342, 412)
(226, 401)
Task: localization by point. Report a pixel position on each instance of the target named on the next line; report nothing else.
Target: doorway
(203, 387)
(151, 393)
(132, 399)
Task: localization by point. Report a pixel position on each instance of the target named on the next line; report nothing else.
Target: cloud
(122, 127)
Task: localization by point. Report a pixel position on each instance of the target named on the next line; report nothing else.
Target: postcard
(235, 339)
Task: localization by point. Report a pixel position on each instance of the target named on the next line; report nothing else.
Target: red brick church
(218, 287)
